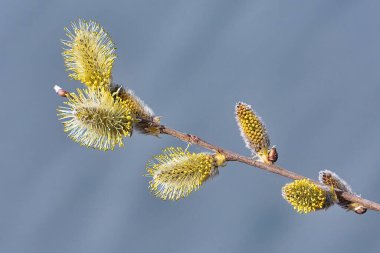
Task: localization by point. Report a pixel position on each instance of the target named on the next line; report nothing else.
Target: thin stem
(231, 156)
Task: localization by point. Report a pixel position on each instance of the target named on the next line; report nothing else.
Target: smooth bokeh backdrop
(309, 68)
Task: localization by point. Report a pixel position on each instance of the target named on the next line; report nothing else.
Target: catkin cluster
(102, 114)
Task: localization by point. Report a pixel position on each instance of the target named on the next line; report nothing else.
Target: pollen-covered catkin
(94, 118)
(176, 172)
(306, 197)
(89, 54)
(253, 131)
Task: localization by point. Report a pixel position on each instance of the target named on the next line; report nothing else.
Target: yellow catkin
(90, 54)
(176, 172)
(94, 118)
(253, 131)
(305, 196)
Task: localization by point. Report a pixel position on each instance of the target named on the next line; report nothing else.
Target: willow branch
(231, 156)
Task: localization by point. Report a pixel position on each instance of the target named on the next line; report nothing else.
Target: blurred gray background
(309, 68)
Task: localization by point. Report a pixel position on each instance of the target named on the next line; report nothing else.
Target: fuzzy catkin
(176, 172)
(306, 197)
(253, 131)
(145, 119)
(89, 54)
(93, 118)
(330, 178)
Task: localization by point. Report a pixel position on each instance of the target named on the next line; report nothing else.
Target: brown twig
(231, 156)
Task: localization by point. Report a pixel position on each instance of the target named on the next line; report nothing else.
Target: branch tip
(61, 92)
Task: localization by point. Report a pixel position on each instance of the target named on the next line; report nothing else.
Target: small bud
(253, 131)
(306, 197)
(357, 208)
(93, 118)
(176, 172)
(61, 92)
(329, 178)
(90, 54)
(273, 155)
